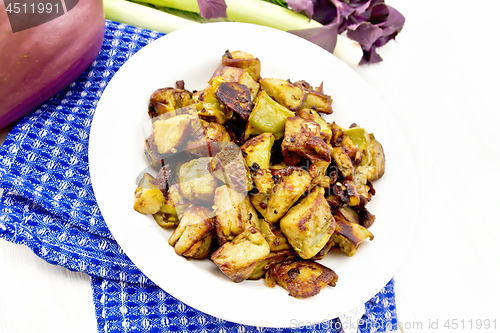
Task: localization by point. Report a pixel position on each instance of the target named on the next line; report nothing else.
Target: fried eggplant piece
(352, 192)
(180, 84)
(166, 177)
(166, 220)
(194, 235)
(324, 251)
(258, 150)
(280, 242)
(209, 107)
(151, 152)
(205, 141)
(234, 74)
(229, 166)
(214, 132)
(363, 190)
(273, 235)
(196, 96)
(173, 207)
(165, 100)
(309, 225)
(302, 138)
(349, 192)
(358, 215)
(170, 133)
(325, 182)
(236, 129)
(267, 116)
(344, 141)
(325, 129)
(301, 278)
(238, 259)
(167, 180)
(243, 60)
(351, 150)
(333, 173)
(281, 169)
(266, 230)
(371, 160)
(304, 85)
(234, 213)
(190, 110)
(175, 201)
(284, 194)
(318, 172)
(349, 214)
(337, 133)
(197, 183)
(357, 137)
(335, 201)
(316, 99)
(148, 196)
(343, 162)
(374, 168)
(236, 97)
(263, 180)
(348, 235)
(272, 259)
(283, 92)
(366, 219)
(337, 196)
(370, 157)
(169, 172)
(355, 191)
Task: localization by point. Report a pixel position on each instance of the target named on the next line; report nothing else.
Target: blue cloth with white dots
(48, 205)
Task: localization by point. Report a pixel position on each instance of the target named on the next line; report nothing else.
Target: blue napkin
(48, 205)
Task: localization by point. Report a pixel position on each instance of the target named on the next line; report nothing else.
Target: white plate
(116, 159)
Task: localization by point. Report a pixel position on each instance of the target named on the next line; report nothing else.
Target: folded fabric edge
(98, 307)
(46, 252)
(140, 308)
(380, 311)
(60, 243)
(121, 42)
(12, 181)
(131, 307)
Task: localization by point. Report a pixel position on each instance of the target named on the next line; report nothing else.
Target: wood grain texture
(36, 296)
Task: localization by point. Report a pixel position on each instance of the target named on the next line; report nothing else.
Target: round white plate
(117, 159)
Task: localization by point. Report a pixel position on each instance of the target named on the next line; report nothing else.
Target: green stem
(247, 11)
(250, 11)
(143, 16)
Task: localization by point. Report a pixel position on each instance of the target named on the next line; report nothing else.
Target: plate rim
(93, 143)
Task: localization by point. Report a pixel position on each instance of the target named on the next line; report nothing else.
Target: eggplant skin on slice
(236, 97)
(301, 278)
(309, 224)
(194, 234)
(349, 235)
(238, 259)
(148, 196)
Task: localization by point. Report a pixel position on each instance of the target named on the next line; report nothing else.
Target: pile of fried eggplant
(250, 176)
